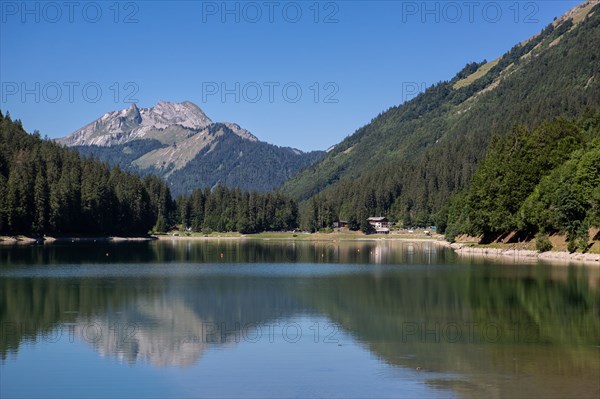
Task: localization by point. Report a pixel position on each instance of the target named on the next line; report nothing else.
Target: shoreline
(463, 249)
(524, 254)
(304, 237)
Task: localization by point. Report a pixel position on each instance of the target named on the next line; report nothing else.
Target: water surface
(292, 319)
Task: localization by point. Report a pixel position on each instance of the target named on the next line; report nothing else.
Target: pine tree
(40, 195)
(19, 197)
(3, 205)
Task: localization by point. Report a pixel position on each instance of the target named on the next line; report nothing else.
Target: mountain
(407, 161)
(178, 142)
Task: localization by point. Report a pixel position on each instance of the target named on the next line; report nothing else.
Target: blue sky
(303, 74)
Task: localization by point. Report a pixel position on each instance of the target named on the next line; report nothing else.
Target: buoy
(419, 369)
(221, 254)
(106, 254)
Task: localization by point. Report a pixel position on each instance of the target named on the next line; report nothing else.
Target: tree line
(48, 189)
(227, 209)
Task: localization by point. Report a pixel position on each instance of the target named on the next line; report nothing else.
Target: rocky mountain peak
(133, 123)
(186, 114)
(133, 113)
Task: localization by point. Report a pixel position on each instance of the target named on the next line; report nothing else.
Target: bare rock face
(183, 127)
(119, 127)
(164, 114)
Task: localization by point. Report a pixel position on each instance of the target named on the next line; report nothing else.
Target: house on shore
(380, 224)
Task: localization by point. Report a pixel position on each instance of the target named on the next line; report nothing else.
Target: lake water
(293, 319)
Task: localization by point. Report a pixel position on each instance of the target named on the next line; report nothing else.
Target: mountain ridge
(118, 127)
(166, 138)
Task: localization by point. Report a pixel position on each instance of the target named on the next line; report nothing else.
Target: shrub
(583, 237)
(572, 246)
(542, 242)
(583, 244)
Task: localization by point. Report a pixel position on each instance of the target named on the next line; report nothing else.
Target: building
(380, 224)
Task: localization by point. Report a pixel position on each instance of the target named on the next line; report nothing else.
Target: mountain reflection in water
(477, 327)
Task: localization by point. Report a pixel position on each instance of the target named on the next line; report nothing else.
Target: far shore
(285, 236)
(15, 240)
(461, 248)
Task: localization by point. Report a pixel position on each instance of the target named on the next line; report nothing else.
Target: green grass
(277, 235)
(482, 71)
(200, 234)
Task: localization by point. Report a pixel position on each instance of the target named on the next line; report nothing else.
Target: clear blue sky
(350, 59)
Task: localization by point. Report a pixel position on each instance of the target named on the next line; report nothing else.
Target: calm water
(284, 319)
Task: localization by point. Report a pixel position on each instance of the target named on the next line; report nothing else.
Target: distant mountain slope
(180, 143)
(236, 162)
(409, 159)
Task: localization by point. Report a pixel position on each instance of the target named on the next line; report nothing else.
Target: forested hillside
(230, 161)
(238, 163)
(409, 160)
(541, 181)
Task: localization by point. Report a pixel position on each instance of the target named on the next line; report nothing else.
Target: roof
(377, 219)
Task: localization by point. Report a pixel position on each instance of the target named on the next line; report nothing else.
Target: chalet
(340, 224)
(380, 224)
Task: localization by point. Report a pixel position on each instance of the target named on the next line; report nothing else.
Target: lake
(235, 318)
